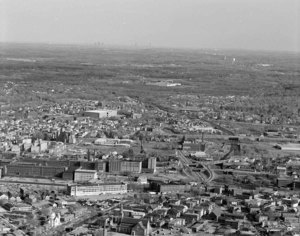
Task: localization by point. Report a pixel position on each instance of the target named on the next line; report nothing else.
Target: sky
(230, 24)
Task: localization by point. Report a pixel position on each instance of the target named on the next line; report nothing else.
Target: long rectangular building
(98, 114)
(96, 189)
(33, 171)
(81, 175)
(122, 166)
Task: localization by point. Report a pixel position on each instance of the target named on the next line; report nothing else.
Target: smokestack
(122, 212)
(202, 145)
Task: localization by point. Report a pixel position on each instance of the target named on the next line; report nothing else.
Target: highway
(192, 174)
(187, 169)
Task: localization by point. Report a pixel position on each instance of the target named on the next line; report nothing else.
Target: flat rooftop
(100, 111)
(85, 171)
(289, 146)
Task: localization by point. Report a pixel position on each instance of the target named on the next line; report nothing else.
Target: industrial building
(114, 166)
(122, 166)
(162, 187)
(81, 175)
(131, 167)
(96, 189)
(85, 170)
(25, 170)
(113, 142)
(98, 114)
(152, 164)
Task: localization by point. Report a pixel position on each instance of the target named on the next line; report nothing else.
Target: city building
(131, 166)
(98, 114)
(25, 169)
(114, 166)
(96, 189)
(82, 175)
(152, 164)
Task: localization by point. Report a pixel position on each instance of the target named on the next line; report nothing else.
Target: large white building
(100, 113)
(96, 189)
(114, 142)
(288, 147)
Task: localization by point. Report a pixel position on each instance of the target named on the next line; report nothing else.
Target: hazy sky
(241, 24)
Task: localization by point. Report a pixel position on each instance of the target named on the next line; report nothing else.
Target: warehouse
(20, 169)
(81, 175)
(121, 166)
(96, 189)
(131, 166)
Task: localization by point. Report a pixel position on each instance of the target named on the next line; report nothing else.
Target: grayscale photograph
(150, 117)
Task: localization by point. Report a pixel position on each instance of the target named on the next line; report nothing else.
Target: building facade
(98, 114)
(96, 189)
(81, 175)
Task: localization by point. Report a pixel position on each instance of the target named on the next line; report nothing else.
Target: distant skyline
(225, 24)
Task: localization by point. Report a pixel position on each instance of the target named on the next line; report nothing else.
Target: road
(186, 168)
(191, 173)
(245, 172)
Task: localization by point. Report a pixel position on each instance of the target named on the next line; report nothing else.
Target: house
(67, 217)
(198, 226)
(238, 216)
(174, 201)
(230, 222)
(179, 222)
(254, 210)
(54, 220)
(140, 229)
(142, 180)
(190, 217)
(8, 206)
(198, 211)
(281, 170)
(215, 214)
(218, 190)
(261, 218)
(30, 199)
(173, 213)
(3, 196)
(22, 207)
(133, 226)
(155, 219)
(180, 208)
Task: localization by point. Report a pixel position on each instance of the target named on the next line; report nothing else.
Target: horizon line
(146, 46)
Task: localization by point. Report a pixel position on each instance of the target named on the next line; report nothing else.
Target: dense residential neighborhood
(101, 168)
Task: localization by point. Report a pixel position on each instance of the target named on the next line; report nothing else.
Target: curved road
(192, 174)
